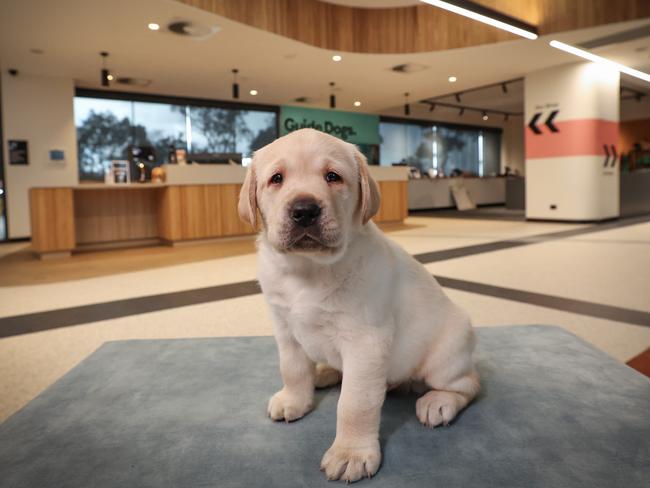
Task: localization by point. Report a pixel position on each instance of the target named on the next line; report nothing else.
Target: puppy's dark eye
(276, 179)
(332, 177)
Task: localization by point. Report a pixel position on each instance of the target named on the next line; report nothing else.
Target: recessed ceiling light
(357, 103)
(253, 92)
(336, 58)
(36, 51)
(110, 77)
(153, 26)
(452, 79)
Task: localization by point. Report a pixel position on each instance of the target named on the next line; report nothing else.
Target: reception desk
(197, 202)
(432, 193)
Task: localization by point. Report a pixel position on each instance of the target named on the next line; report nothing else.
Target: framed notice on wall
(18, 152)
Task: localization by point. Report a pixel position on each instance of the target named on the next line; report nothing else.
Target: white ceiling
(72, 32)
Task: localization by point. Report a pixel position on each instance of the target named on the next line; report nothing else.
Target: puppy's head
(311, 189)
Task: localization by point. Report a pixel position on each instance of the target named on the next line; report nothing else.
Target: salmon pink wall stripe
(584, 137)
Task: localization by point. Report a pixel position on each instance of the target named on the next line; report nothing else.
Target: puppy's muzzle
(305, 212)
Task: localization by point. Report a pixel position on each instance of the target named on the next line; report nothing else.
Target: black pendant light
(235, 85)
(407, 107)
(432, 107)
(105, 74)
(332, 96)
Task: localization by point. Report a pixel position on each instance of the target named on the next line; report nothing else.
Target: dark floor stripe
(85, 314)
(461, 252)
(580, 307)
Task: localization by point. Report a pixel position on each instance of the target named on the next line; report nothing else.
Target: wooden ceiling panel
(419, 28)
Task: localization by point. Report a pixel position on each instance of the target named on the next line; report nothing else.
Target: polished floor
(592, 280)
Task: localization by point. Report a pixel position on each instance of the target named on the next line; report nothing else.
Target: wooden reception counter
(197, 202)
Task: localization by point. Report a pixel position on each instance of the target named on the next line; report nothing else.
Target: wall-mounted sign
(349, 126)
(18, 152)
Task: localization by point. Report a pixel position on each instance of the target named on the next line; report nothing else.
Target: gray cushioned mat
(555, 412)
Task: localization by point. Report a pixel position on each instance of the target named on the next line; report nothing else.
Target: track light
(432, 107)
(487, 16)
(506, 117)
(332, 96)
(105, 75)
(600, 60)
(461, 111)
(457, 95)
(485, 115)
(407, 107)
(235, 85)
(504, 88)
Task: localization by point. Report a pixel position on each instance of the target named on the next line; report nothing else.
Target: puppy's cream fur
(355, 304)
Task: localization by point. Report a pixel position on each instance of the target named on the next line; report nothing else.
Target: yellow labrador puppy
(346, 301)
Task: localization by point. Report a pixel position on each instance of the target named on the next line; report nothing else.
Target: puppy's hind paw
(438, 407)
(326, 376)
(288, 406)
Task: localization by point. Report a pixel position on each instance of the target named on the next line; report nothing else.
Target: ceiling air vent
(302, 100)
(126, 80)
(408, 68)
(191, 29)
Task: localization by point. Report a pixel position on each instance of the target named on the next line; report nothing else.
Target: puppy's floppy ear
(369, 193)
(247, 206)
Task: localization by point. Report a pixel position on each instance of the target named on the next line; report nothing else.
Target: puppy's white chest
(316, 330)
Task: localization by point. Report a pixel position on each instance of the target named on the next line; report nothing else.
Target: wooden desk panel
(52, 219)
(116, 215)
(394, 201)
(65, 218)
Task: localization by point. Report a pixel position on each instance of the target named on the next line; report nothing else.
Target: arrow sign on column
(532, 124)
(606, 156)
(549, 121)
(615, 155)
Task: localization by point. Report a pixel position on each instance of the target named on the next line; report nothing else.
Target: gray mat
(554, 412)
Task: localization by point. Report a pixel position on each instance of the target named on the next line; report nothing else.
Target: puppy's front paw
(351, 463)
(289, 406)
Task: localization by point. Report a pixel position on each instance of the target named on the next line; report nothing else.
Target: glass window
(444, 149)
(103, 134)
(491, 153)
(159, 125)
(458, 150)
(106, 128)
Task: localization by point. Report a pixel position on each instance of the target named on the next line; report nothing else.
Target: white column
(571, 117)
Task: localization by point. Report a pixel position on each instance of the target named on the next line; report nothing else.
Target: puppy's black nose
(305, 212)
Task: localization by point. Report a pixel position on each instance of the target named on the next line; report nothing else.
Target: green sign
(349, 126)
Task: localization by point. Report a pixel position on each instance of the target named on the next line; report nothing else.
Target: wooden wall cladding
(419, 28)
(394, 201)
(199, 212)
(115, 215)
(52, 219)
